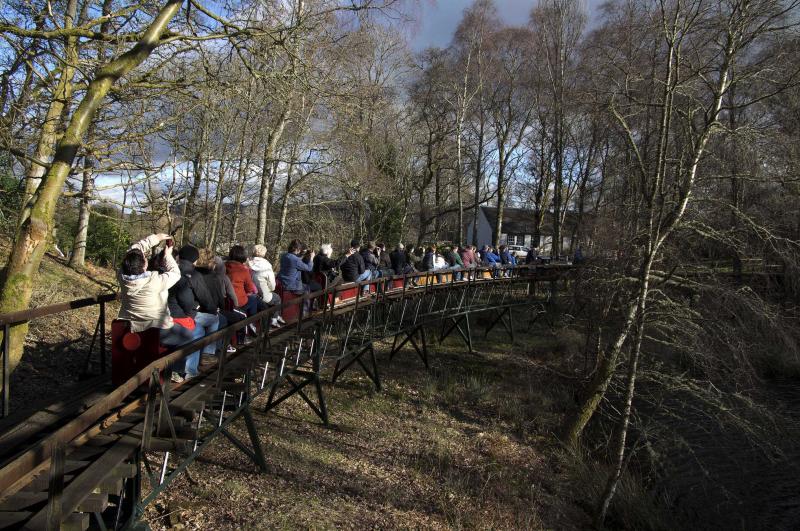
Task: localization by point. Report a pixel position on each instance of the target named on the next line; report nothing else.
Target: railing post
(6, 351)
(102, 337)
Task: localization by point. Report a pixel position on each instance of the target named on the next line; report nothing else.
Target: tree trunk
(267, 173)
(478, 179)
(622, 431)
(557, 189)
(53, 118)
(284, 210)
(218, 197)
(189, 207)
(596, 389)
(30, 241)
(237, 200)
(501, 192)
(78, 258)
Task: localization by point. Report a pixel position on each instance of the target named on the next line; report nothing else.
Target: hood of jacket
(259, 264)
(133, 284)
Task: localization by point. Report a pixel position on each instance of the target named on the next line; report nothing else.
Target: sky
(435, 25)
(439, 18)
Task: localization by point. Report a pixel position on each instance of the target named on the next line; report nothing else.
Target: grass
(464, 445)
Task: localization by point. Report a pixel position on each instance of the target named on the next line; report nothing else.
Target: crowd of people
(193, 292)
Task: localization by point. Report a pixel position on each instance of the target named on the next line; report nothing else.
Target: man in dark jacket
(352, 265)
(429, 260)
(533, 256)
(370, 260)
(184, 306)
(211, 270)
(399, 260)
(384, 261)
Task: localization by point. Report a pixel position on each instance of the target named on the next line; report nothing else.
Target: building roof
(517, 220)
(521, 220)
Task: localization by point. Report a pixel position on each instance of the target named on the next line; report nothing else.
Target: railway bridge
(100, 467)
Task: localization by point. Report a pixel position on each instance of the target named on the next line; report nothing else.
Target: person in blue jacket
(506, 258)
(490, 258)
(291, 267)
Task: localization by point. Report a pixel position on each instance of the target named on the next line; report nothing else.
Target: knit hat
(189, 253)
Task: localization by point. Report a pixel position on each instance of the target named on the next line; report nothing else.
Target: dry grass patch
(464, 445)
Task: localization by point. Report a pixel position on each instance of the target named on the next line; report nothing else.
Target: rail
(40, 486)
(8, 320)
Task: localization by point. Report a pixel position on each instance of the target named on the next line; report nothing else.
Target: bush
(106, 240)
(11, 190)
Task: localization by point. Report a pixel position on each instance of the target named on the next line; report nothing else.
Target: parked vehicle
(519, 251)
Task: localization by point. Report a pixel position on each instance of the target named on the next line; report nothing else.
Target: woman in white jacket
(144, 294)
(264, 278)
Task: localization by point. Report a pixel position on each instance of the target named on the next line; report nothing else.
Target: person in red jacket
(242, 280)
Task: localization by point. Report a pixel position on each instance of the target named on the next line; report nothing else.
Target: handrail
(22, 316)
(14, 318)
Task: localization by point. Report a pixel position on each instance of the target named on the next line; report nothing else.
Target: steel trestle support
(418, 330)
(507, 323)
(455, 324)
(308, 377)
(355, 357)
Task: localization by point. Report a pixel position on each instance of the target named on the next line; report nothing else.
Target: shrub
(106, 240)
(11, 190)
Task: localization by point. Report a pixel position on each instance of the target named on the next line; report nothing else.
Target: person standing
(399, 260)
(352, 265)
(532, 257)
(324, 265)
(384, 261)
(263, 275)
(143, 293)
(204, 311)
(211, 269)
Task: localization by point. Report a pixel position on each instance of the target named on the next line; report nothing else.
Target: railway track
(99, 460)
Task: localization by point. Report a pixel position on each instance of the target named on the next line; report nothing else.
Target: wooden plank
(42, 482)
(103, 440)
(86, 452)
(42, 311)
(158, 444)
(23, 500)
(75, 522)
(110, 486)
(83, 484)
(11, 519)
(94, 503)
(21, 428)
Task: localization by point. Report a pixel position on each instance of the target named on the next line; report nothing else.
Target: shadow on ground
(466, 444)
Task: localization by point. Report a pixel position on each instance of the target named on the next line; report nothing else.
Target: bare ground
(465, 445)
(56, 347)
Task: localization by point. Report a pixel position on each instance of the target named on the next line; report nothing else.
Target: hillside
(56, 346)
